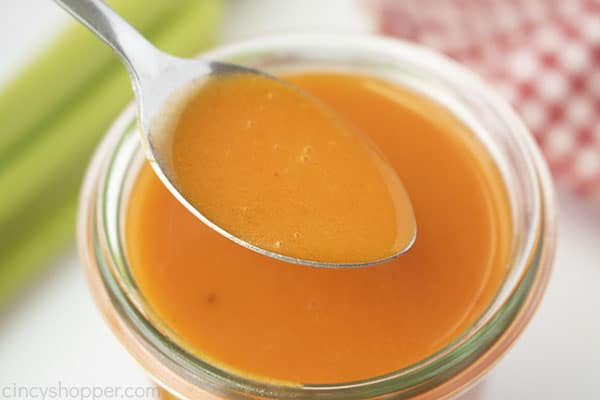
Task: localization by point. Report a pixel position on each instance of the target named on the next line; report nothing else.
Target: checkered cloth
(542, 55)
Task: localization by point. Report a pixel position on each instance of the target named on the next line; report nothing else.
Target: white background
(55, 334)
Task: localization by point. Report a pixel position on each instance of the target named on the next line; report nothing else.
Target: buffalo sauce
(264, 318)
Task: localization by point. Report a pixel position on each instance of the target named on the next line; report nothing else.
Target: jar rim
(173, 372)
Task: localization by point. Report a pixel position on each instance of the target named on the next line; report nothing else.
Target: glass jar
(442, 375)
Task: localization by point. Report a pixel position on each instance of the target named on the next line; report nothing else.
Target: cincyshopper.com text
(61, 391)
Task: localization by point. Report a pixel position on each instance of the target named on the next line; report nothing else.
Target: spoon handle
(140, 57)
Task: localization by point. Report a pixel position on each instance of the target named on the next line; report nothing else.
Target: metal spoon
(156, 77)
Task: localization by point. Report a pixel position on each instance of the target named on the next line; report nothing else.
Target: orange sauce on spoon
(264, 318)
(276, 168)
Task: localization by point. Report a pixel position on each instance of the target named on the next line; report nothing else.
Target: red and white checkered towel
(543, 55)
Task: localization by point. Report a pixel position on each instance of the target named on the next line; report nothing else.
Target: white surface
(54, 334)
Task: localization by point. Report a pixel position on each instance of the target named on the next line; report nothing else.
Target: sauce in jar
(277, 321)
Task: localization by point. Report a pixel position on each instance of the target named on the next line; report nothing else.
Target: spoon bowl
(162, 84)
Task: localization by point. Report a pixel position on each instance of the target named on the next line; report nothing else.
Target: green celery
(63, 144)
(30, 255)
(62, 73)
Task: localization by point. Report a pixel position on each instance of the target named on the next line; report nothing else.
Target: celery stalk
(67, 137)
(63, 72)
(29, 255)
(72, 134)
